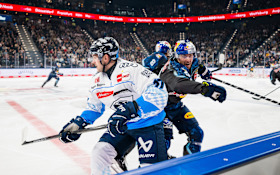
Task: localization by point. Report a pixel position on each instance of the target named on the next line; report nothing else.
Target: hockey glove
(213, 91)
(74, 125)
(204, 72)
(124, 112)
(273, 82)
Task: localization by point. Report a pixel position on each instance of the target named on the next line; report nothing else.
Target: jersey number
(158, 83)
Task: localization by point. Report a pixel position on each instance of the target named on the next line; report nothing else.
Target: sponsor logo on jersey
(177, 95)
(123, 77)
(165, 66)
(124, 65)
(195, 76)
(104, 94)
(146, 156)
(146, 73)
(188, 115)
(158, 56)
(97, 80)
(97, 85)
(145, 145)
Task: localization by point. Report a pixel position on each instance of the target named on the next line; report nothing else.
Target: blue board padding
(217, 159)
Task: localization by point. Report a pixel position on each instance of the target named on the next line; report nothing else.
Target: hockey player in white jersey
(138, 98)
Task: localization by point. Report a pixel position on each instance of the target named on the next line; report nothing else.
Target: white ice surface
(239, 118)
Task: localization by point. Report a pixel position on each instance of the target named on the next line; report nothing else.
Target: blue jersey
(155, 61)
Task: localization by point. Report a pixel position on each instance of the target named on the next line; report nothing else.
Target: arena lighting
(91, 16)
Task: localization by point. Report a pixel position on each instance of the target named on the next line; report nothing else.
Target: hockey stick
(244, 90)
(24, 142)
(221, 62)
(266, 94)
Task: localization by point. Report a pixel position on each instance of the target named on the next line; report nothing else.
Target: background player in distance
(275, 74)
(54, 74)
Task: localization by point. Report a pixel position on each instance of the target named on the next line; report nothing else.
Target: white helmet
(184, 47)
(106, 45)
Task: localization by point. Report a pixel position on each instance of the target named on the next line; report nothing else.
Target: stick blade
(256, 98)
(24, 135)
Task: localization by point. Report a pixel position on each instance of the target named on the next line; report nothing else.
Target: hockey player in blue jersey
(160, 57)
(275, 74)
(54, 74)
(179, 74)
(138, 98)
(154, 62)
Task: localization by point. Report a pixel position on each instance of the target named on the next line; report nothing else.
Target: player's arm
(93, 111)
(185, 86)
(179, 84)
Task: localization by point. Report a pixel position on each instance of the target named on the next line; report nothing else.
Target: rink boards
(26, 73)
(258, 155)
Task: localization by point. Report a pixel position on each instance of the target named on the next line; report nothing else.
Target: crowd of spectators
(250, 35)
(65, 41)
(60, 41)
(11, 50)
(121, 32)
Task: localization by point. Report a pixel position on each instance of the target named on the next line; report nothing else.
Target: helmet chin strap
(105, 65)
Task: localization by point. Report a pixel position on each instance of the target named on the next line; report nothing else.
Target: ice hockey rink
(44, 111)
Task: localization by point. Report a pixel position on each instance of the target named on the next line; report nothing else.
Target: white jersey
(128, 82)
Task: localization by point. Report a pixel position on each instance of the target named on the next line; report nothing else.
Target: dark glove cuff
(81, 122)
(201, 69)
(204, 89)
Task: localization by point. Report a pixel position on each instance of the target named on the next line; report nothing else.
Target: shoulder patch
(146, 73)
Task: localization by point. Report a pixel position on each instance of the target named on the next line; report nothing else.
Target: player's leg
(120, 164)
(168, 135)
(107, 149)
(57, 79)
(49, 78)
(277, 76)
(186, 123)
(168, 132)
(151, 144)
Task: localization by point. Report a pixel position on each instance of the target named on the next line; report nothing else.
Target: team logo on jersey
(104, 94)
(123, 77)
(188, 115)
(97, 80)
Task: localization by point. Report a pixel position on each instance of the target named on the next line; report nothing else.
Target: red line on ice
(78, 156)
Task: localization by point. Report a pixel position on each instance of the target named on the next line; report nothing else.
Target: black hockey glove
(74, 125)
(273, 82)
(204, 72)
(213, 91)
(125, 112)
